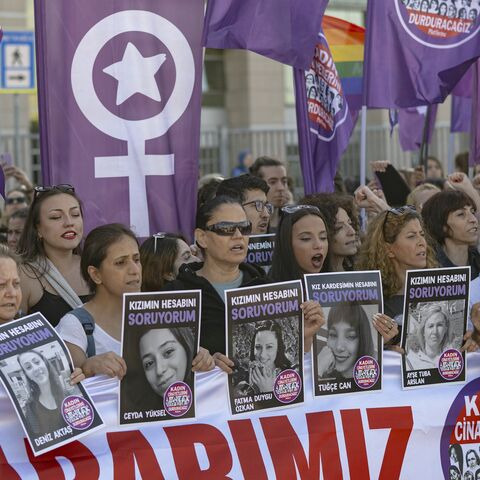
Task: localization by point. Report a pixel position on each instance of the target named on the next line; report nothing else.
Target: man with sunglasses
(252, 193)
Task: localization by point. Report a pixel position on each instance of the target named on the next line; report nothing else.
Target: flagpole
(363, 159)
(474, 121)
(451, 153)
(363, 146)
(424, 147)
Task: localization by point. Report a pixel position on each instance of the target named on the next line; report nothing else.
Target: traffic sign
(17, 62)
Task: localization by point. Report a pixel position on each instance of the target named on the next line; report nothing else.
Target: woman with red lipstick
(111, 266)
(49, 247)
(450, 219)
(395, 242)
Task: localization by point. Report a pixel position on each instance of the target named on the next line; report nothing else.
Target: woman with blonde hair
(395, 242)
(419, 195)
(432, 337)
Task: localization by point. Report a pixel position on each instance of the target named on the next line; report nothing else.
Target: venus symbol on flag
(135, 73)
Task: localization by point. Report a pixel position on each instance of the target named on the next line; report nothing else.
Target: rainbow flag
(346, 41)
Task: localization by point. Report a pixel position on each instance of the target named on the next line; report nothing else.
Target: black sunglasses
(259, 206)
(62, 187)
(14, 200)
(296, 208)
(398, 212)
(228, 229)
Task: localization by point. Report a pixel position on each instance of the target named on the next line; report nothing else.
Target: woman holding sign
(221, 233)
(111, 267)
(395, 242)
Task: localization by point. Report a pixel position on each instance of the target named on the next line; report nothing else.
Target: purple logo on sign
(177, 399)
(366, 372)
(287, 387)
(77, 412)
(438, 23)
(450, 364)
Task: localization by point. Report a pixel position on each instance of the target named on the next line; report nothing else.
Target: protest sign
(434, 323)
(265, 340)
(260, 250)
(35, 369)
(159, 341)
(347, 352)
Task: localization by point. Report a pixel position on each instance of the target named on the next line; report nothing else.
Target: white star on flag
(136, 74)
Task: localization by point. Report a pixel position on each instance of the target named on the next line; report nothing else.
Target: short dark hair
(238, 186)
(264, 162)
(436, 210)
(206, 211)
(97, 243)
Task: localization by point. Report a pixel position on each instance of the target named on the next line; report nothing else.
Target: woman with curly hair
(342, 228)
(395, 242)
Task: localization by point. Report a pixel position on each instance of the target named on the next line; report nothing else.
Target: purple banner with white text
(119, 97)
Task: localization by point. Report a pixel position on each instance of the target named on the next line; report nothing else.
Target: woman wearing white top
(111, 266)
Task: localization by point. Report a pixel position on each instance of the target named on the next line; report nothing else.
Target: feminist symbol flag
(119, 98)
(416, 54)
(324, 120)
(283, 30)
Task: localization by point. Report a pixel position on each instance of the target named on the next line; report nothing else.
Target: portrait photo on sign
(261, 351)
(40, 380)
(464, 461)
(433, 328)
(156, 359)
(348, 335)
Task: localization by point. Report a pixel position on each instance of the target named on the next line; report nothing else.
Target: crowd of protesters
(411, 221)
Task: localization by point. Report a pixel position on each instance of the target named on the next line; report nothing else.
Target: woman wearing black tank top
(50, 241)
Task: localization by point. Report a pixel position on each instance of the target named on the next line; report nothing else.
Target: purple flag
(474, 156)
(411, 123)
(119, 98)
(461, 114)
(415, 57)
(283, 30)
(324, 121)
(461, 111)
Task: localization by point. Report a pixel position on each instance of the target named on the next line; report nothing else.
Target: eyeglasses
(157, 236)
(296, 208)
(398, 212)
(62, 187)
(14, 200)
(259, 206)
(228, 229)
